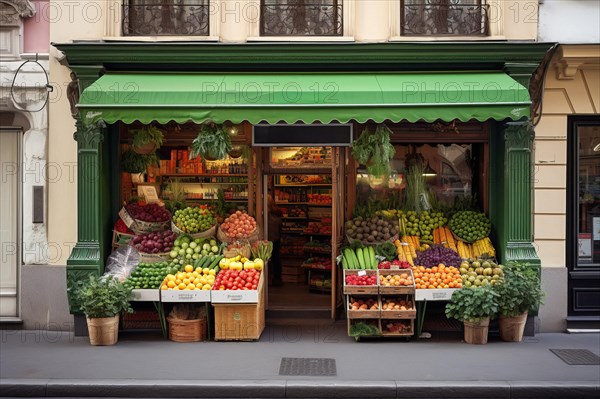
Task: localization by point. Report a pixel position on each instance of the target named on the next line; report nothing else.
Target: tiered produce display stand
(383, 300)
(189, 265)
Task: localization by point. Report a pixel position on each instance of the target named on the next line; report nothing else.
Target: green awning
(304, 97)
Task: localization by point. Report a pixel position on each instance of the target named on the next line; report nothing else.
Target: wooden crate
(369, 321)
(360, 289)
(410, 313)
(408, 333)
(363, 314)
(240, 322)
(383, 290)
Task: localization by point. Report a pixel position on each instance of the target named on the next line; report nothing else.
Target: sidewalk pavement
(142, 364)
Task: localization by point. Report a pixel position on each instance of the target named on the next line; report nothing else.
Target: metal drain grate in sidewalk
(577, 357)
(313, 367)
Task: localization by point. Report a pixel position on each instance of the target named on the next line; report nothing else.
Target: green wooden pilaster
(516, 240)
(88, 254)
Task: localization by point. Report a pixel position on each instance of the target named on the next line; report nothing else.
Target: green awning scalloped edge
(304, 97)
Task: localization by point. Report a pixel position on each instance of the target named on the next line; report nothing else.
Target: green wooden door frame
(511, 188)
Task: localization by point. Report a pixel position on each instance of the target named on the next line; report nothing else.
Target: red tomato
(253, 286)
(248, 285)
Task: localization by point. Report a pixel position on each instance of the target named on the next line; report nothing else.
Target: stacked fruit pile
(148, 275)
(154, 243)
(189, 279)
(152, 213)
(437, 277)
(470, 226)
(477, 273)
(193, 220)
(396, 280)
(232, 279)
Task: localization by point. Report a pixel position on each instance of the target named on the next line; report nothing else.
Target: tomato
(248, 285)
(254, 286)
(228, 286)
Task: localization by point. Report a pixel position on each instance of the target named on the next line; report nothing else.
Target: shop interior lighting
(597, 148)
(429, 172)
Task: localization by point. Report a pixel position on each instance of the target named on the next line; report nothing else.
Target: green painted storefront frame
(511, 190)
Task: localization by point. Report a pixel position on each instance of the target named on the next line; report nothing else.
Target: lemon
(206, 270)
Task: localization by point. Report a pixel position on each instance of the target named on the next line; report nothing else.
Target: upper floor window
(443, 17)
(165, 17)
(12, 13)
(301, 18)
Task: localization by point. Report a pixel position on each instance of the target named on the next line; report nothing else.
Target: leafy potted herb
(520, 292)
(102, 299)
(133, 162)
(374, 150)
(212, 143)
(147, 140)
(474, 307)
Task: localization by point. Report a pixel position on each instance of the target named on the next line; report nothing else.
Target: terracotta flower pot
(477, 332)
(103, 330)
(512, 328)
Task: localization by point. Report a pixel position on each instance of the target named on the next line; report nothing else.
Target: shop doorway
(308, 194)
(10, 221)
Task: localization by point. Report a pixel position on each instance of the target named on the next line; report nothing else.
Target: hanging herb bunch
(212, 143)
(374, 150)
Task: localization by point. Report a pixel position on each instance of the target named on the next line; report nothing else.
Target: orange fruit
(188, 268)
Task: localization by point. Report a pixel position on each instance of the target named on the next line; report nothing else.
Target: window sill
(301, 39)
(161, 39)
(34, 56)
(445, 38)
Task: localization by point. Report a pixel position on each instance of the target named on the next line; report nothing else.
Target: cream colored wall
(237, 21)
(577, 93)
(69, 20)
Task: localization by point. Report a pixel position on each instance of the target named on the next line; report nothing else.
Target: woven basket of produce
(237, 226)
(196, 222)
(237, 248)
(371, 230)
(154, 247)
(470, 226)
(148, 218)
(203, 234)
(141, 227)
(187, 323)
(187, 330)
(367, 242)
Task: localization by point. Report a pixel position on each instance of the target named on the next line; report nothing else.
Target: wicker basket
(203, 234)
(232, 253)
(141, 227)
(365, 242)
(187, 330)
(222, 237)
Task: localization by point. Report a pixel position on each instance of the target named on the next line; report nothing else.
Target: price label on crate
(394, 267)
(362, 273)
(127, 219)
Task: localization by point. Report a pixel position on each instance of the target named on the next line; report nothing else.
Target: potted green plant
(213, 142)
(132, 162)
(147, 140)
(102, 299)
(474, 307)
(375, 150)
(519, 292)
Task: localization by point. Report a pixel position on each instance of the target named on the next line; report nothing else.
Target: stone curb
(313, 389)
